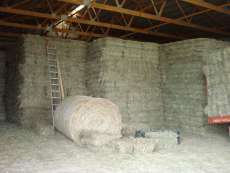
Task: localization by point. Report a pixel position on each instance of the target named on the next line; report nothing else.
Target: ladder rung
(52, 61)
(52, 65)
(54, 84)
(56, 97)
(56, 94)
(54, 81)
(57, 102)
(55, 91)
(51, 48)
(55, 87)
(55, 67)
(51, 51)
(53, 54)
(53, 72)
(54, 78)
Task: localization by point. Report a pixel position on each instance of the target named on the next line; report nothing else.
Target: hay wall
(2, 85)
(127, 72)
(28, 86)
(72, 58)
(27, 83)
(154, 86)
(183, 82)
(217, 71)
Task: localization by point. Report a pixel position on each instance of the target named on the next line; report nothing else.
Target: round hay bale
(80, 117)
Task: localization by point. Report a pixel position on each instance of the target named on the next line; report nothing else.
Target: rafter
(85, 21)
(42, 28)
(94, 27)
(207, 5)
(180, 18)
(181, 10)
(20, 3)
(9, 34)
(149, 16)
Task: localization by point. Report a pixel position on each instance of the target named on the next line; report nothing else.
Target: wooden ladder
(56, 86)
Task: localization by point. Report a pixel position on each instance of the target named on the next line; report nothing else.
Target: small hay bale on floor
(165, 139)
(133, 145)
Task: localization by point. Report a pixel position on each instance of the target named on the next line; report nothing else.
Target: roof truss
(92, 21)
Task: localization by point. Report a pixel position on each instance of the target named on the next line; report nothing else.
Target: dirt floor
(22, 151)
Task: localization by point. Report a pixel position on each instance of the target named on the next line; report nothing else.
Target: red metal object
(219, 119)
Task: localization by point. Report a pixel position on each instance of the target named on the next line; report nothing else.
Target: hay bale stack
(217, 72)
(127, 72)
(183, 82)
(2, 85)
(35, 81)
(27, 97)
(28, 85)
(71, 55)
(12, 88)
(88, 120)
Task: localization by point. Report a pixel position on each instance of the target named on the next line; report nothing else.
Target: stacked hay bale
(71, 55)
(2, 85)
(217, 72)
(11, 83)
(28, 86)
(183, 82)
(127, 72)
(28, 74)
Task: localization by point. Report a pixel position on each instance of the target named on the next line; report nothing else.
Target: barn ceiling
(145, 20)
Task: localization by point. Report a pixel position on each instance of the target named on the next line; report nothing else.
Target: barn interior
(114, 86)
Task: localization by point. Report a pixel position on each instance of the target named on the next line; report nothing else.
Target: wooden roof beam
(148, 16)
(9, 34)
(208, 5)
(87, 22)
(179, 18)
(42, 28)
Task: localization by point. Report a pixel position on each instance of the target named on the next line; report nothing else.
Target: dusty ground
(22, 151)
